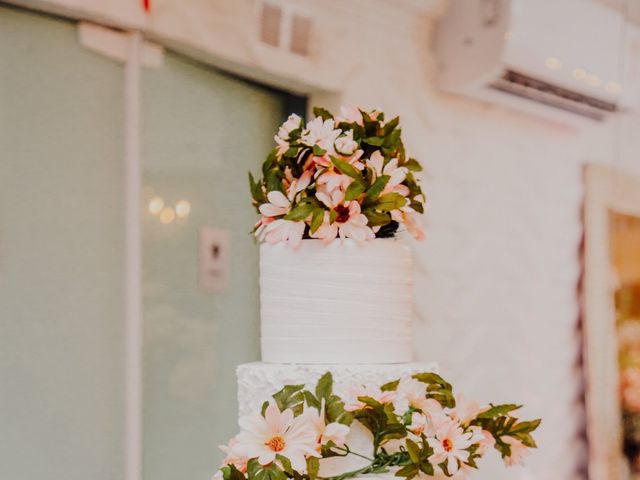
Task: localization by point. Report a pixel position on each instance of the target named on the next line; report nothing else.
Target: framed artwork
(611, 313)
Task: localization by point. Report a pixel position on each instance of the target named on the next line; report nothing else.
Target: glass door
(61, 254)
(202, 132)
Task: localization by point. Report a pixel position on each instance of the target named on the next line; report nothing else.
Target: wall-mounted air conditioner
(542, 56)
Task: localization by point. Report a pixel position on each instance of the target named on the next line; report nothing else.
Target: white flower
(322, 133)
(345, 144)
(372, 391)
(413, 391)
(292, 123)
(278, 205)
(449, 445)
(278, 433)
(518, 451)
(350, 114)
(349, 222)
(396, 174)
(330, 178)
(282, 230)
(325, 433)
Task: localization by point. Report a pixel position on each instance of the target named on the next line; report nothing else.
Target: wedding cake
(337, 394)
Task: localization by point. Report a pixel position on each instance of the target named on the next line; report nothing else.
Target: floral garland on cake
(346, 176)
(416, 426)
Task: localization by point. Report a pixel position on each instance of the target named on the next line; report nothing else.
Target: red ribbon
(147, 5)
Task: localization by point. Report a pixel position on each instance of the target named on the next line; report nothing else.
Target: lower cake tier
(257, 381)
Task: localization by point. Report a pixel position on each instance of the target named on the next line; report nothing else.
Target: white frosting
(257, 381)
(345, 302)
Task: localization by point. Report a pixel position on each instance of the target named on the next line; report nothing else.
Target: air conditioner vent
(525, 86)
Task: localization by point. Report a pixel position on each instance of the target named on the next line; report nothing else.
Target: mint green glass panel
(61, 254)
(203, 131)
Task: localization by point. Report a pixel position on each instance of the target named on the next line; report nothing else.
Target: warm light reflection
(167, 215)
(613, 87)
(593, 80)
(553, 63)
(183, 208)
(579, 74)
(156, 204)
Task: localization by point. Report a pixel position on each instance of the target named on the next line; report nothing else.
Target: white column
(133, 266)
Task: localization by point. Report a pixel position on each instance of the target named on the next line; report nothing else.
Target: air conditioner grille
(525, 86)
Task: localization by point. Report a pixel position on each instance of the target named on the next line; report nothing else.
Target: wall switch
(214, 259)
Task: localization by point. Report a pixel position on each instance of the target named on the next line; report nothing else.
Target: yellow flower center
(447, 445)
(276, 443)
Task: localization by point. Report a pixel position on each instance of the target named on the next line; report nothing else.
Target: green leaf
(265, 405)
(323, 113)
(374, 141)
(417, 206)
(317, 219)
(311, 400)
(230, 472)
(324, 387)
(414, 451)
(413, 165)
(391, 125)
(286, 463)
(408, 471)
(525, 427)
(332, 216)
(499, 410)
(299, 212)
(376, 219)
(318, 151)
(390, 386)
(377, 187)
(390, 201)
(345, 168)
(290, 396)
(313, 466)
(354, 190)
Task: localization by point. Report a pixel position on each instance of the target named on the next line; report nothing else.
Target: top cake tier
(345, 302)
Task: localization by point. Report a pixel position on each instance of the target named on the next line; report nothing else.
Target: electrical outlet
(214, 259)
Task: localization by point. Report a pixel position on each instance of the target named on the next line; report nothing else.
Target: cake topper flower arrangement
(413, 426)
(346, 176)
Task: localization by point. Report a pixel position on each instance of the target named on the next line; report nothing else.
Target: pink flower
(278, 205)
(372, 391)
(282, 230)
(465, 410)
(413, 391)
(483, 438)
(234, 456)
(518, 451)
(449, 445)
(349, 222)
(330, 178)
(408, 217)
(419, 424)
(278, 433)
(396, 174)
(325, 433)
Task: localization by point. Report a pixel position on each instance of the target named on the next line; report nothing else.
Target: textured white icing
(345, 302)
(257, 381)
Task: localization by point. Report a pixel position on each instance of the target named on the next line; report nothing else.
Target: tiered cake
(345, 307)
(337, 395)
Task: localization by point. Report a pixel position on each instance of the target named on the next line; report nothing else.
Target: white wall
(497, 276)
